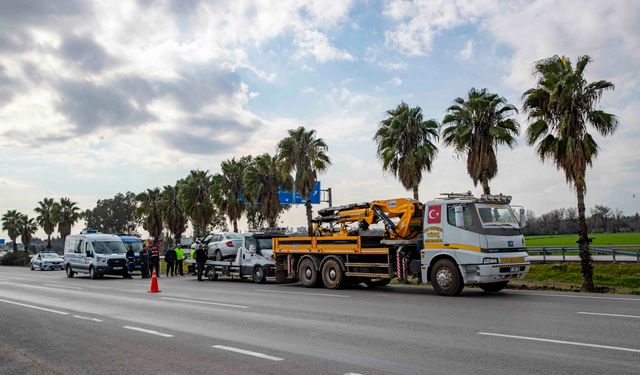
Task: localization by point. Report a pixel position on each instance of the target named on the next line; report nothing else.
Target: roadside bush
(18, 258)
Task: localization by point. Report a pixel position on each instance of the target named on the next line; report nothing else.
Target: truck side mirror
(252, 249)
(459, 216)
(523, 218)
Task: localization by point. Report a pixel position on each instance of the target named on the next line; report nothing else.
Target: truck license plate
(117, 268)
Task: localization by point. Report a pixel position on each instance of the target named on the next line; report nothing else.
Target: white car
(46, 261)
(224, 245)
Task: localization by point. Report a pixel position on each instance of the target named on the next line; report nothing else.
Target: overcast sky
(103, 97)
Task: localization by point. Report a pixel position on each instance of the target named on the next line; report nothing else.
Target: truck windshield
(496, 215)
(108, 247)
(264, 243)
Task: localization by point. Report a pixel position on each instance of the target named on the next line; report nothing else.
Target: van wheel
(70, 273)
(92, 273)
(446, 278)
(218, 255)
(307, 273)
(332, 275)
(258, 275)
(494, 287)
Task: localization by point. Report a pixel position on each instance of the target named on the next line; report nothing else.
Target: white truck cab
(477, 240)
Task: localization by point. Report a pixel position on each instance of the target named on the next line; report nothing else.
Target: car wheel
(494, 287)
(258, 275)
(332, 275)
(446, 278)
(92, 273)
(41, 268)
(70, 273)
(307, 273)
(32, 267)
(218, 255)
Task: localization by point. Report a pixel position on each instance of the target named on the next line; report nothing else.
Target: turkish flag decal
(434, 213)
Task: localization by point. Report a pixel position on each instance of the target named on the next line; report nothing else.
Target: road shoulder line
(247, 352)
(574, 343)
(35, 307)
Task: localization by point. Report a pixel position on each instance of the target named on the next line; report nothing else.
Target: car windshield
(135, 246)
(496, 214)
(49, 255)
(108, 247)
(234, 236)
(264, 243)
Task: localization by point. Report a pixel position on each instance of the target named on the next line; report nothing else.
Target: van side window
(451, 215)
(79, 247)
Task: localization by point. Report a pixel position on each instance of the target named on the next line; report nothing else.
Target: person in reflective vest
(179, 259)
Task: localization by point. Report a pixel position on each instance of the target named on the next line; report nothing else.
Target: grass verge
(631, 238)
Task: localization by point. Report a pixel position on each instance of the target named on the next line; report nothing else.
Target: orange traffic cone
(154, 283)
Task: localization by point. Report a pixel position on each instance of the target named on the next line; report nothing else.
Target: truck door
(463, 238)
(246, 260)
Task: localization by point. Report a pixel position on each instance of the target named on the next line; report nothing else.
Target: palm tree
(66, 213)
(476, 126)
(405, 145)
(45, 218)
(27, 227)
(197, 199)
(150, 211)
(10, 224)
(173, 211)
(561, 109)
(307, 155)
(262, 179)
(230, 187)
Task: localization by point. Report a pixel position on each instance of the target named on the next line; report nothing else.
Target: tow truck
(451, 241)
(254, 259)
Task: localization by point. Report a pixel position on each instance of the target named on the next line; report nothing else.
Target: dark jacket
(201, 256)
(170, 256)
(131, 256)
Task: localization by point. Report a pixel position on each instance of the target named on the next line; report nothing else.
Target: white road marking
(561, 342)
(148, 331)
(247, 352)
(302, 293)
(352, 373)
(206, 302)
(34, 307)
(615, 315)
(87, 318)
(63, 286)
(586, 297)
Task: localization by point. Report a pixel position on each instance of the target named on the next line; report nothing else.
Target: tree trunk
(583, 241)
(309, 213)
(49, 242)
(15, 245)
(485, 186)
(235, 225)
(177, 238)
(415, 193)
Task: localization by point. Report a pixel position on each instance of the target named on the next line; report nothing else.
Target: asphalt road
(50, 324)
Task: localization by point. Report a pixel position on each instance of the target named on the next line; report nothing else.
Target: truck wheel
(332, 275)
(218, 255)
(92, 273)
(70, 273)
(307, 273)
(373, 283)
(258, 275)
(210, 273)
(446, 278)
(494, 287)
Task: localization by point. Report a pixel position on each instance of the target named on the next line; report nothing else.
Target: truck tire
(446, 278)
(92, 273)
(210, 273)
(70, 273)
(373, 283)
(259, 275)
(494, 287)
(307, 273)
(332, 275)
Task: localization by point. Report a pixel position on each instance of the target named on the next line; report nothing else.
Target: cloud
(8, 86)
(395, 81)
(85, 53)
(467, 51)
(312, 43)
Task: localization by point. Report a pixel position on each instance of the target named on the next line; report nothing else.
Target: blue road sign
(290, 197)
(1, 241)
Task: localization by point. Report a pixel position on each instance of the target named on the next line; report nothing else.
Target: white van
(96, 254)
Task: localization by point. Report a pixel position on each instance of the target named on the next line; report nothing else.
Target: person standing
(201, 258)
(192, 267)
(179, 260)
(154, 258)
(144, 262)
(131, 262)
(170, 259)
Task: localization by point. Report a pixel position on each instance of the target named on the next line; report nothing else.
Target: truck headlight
(490, 260)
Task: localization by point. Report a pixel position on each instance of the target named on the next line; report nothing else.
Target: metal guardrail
(627, 251)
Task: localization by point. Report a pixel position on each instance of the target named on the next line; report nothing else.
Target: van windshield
(135, 246)
(108, 247)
